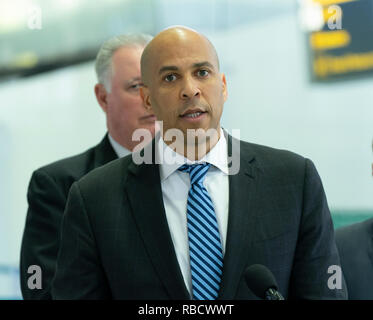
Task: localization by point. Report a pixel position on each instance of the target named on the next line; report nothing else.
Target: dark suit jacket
(47, 195)
(116, 241)
(355, 245)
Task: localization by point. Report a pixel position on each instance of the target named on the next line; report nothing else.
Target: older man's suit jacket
(116, 242)
(47, 195)
(355, 245)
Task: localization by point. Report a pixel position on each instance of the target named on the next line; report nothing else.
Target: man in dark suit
(355, 246)
(186, 221)
(117, 92)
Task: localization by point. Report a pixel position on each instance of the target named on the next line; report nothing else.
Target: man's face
(125, 111)
(185, 89)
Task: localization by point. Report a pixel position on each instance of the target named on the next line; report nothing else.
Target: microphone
(262, 282)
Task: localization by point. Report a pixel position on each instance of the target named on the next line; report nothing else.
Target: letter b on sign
(335, 281)
(34, 282)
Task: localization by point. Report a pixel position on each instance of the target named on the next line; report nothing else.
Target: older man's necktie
(205, 250)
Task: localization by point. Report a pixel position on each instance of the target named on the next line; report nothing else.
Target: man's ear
(224, 83)
(101, 96)
(145, 96)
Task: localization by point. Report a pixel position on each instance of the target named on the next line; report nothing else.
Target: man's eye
(136, 86)
(203, 73)
(170, 77)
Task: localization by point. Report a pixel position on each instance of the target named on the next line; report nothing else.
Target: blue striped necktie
(205, 250)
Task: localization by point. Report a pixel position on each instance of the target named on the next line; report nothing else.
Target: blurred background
(299, 73)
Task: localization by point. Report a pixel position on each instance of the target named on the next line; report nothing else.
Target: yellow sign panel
(343, 47)
(331, 2)
(325, 40)
(325, 66)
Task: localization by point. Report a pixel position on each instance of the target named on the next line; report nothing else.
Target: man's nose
(189, 89)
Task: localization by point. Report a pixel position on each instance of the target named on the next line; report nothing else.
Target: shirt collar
(217, 157)
(118, 148)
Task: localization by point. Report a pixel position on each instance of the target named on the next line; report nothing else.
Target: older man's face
(185, 89)
(125, 110)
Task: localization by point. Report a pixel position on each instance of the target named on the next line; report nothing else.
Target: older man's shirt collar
(118, 148)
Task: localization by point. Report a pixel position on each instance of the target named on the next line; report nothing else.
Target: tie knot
(197, 172)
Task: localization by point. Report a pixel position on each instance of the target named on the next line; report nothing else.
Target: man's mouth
(149, 117)
(193, 113)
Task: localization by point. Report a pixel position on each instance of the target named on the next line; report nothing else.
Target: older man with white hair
(117, 92)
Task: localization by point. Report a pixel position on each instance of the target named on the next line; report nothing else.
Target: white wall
(273, 102)
(42, 119)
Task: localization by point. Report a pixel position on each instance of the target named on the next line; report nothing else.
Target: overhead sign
(341, 41)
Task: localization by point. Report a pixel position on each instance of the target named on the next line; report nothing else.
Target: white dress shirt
(175, 187)
(118, 148)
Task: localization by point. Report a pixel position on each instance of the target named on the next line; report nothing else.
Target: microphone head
(259, 279)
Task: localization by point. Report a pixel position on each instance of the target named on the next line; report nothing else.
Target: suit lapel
(145, 196)
(242, 194)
